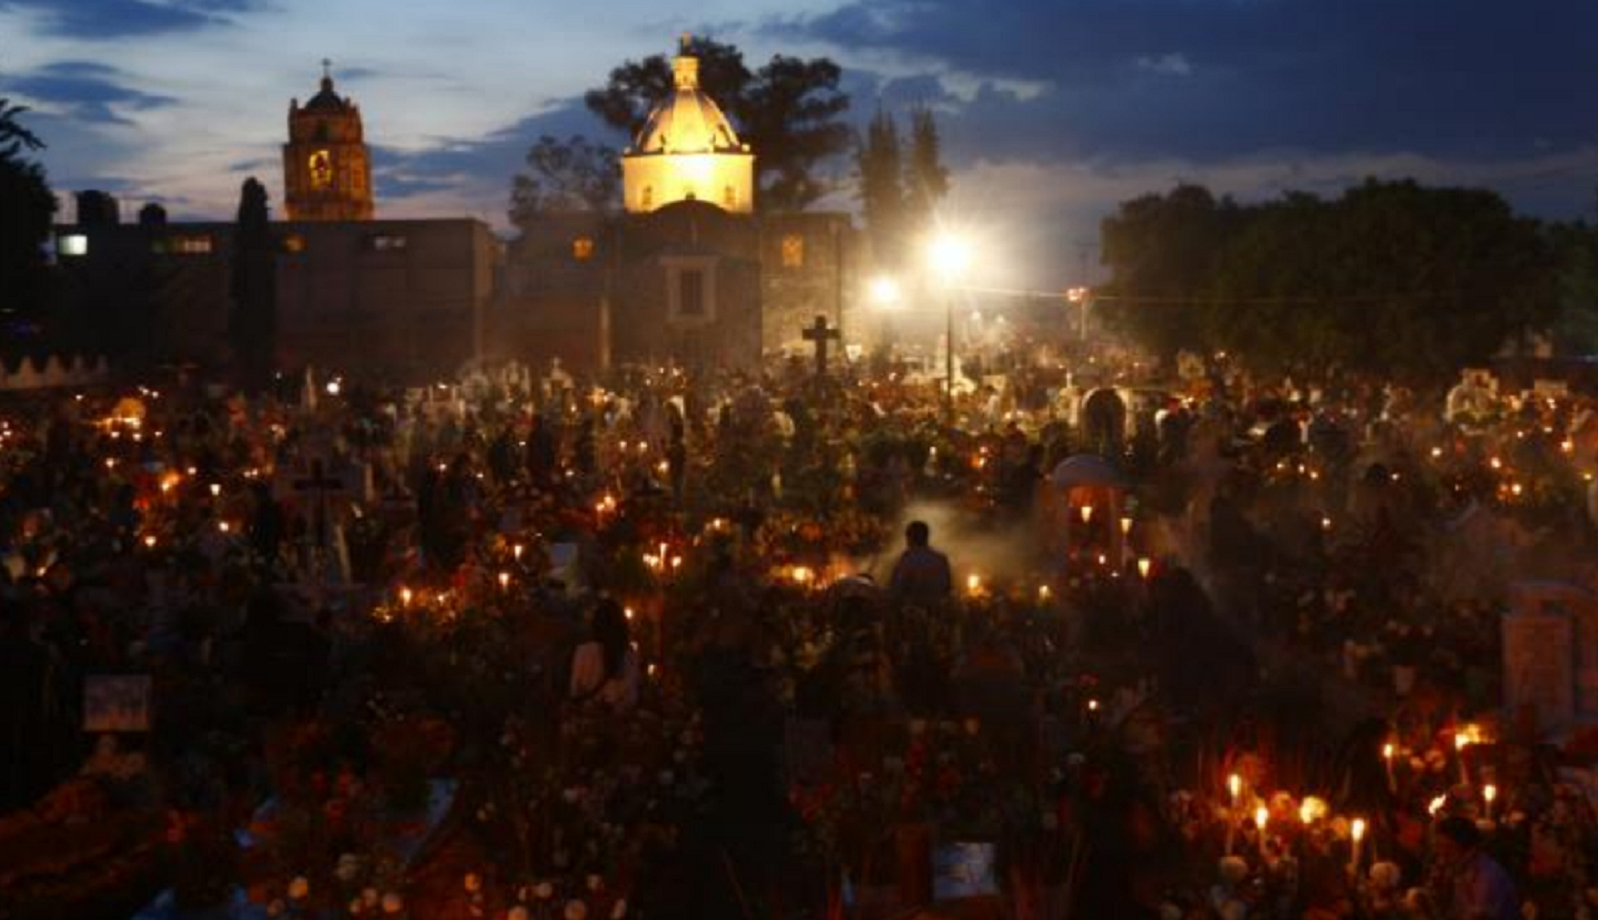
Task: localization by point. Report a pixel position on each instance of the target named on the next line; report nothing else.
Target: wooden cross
(327, 69)
(319, 483)
(821, 335)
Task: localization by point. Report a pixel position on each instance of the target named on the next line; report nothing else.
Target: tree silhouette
(253, 322)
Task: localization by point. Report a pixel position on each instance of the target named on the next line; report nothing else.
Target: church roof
(689, 121)
(327, 100)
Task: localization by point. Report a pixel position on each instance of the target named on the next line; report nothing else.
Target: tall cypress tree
(879, 174)
(253, 324)
(926, 180)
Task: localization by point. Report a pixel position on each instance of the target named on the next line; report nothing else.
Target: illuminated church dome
(688, 151)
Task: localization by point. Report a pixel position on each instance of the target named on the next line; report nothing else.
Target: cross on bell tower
(821, 335)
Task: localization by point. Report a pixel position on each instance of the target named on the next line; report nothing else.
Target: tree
(879, 177)
(1161, 249)
(14, 138)
(253, 324)
(1390, 277)
(571, 175)
(926, 180)
(789, 112)
(27, 208)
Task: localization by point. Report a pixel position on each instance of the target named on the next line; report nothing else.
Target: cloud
(1171, 65)
(114, 19)
(1469, 77)
(89, 92)
(475, 173)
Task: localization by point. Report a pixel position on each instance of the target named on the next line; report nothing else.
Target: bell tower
(327, 171)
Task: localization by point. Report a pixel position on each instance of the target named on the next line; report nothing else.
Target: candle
(516, 552)
(1262, 815)
(1357, 831)
(504, 581)
(1087, 513)
(1488, 793)
(1144, 566)
(1387, 759)
(405, 596)
(973, 584)
(1462, 741)
(1126, 526)
(1234, 785)
(1436, 804)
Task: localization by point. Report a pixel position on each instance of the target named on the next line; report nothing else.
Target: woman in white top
(605, 668)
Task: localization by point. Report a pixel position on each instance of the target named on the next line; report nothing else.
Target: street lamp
(948, 257)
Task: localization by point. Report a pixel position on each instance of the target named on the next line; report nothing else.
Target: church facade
(690, 271)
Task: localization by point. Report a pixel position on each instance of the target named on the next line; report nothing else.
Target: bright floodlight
(884, 292)
(949, 256)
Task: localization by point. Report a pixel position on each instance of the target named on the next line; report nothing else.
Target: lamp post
(948, 257)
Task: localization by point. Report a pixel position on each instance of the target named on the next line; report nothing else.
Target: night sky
(1053, 110)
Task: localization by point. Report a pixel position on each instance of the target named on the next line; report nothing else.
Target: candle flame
(1357, 829)
(1087, 513)
(1261, 816)
(1387, 751)
(1436, 805)
(1489, 792)
(1234, 785)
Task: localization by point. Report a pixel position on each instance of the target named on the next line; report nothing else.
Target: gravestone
(1550, 640)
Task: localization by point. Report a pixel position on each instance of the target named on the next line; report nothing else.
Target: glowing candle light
(149, 541)
(223, 526)
(1436, 804)
(405, 596)
(504, 580)
(1234, 785)
(1356, 830)
(973, 584)
(1087, 513)
(1093, 705)
(1262, 816)
(516, 552)
(1144, 566)
(1387, 761)
(1489, 792)
(216, 489)
(1044, 593)
(1126, 526)
(628, 613)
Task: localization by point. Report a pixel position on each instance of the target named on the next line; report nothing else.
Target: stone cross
(821, 335)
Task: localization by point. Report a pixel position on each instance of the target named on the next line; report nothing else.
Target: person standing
(1471, 884)
(922, 575)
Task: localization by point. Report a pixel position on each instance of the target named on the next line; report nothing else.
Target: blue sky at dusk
(1052, 110)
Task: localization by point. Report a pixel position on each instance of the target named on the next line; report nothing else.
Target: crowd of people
(689, 644)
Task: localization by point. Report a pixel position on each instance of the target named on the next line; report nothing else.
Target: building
(400, 300)
(690, 270)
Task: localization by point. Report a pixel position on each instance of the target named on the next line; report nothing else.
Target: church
(688, 272)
